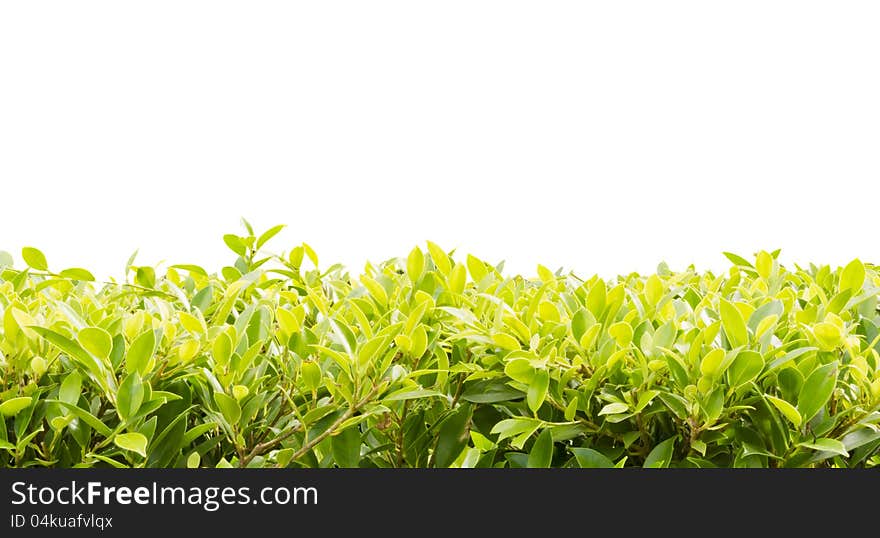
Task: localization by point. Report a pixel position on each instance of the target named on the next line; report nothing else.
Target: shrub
(425, 361)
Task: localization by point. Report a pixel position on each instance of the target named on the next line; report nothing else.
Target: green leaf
(825, 444)
(541, 454)
(415, 264)
(86, 417)
(269, 234)
(538, 390)
(661, 455)
(129, 396)
(138, 356)
(764, 264)
(202, 299)
(505, 341)
(229, 407)
(71, 387)
(817, 390)
(191, 268)
(489, 391)
(371, 350)
(146, 277)
(515, 426)
(654, 289)
(828, 334)
(96, 341)
(440, 259)
(587, 458)
(790, 412)
(283, 457)
(197, 431)
(133, 442)
(737, 259)
(614, 409)
(452, 437)
(346, 447)
(235, 244)
(193, 461)
(240, 392)
(476, 267)
(711, 364)
(34, 258)
(311, 375)
(310, 252)
(645, 399)
(457, 278)
(222, 349)
(745, 367)
(579, 324)
(411, 394)
(852, 277)
(76, 273)
(596, 298)
(74, 351)
(734, 324)
(13, 406)
(520, 370)
(676, 404)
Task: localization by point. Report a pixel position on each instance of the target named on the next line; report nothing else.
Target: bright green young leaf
(34, 258)
(228, 407)
(520, 370)
(96, 341)
(71, 387)
(76, 273)
(734, 324)
(538, 390)
(515, 426)
(13, 406)
(614, 409)
(828, 334)
(764, 264)
(268, 234)
(235, 244)
(852, 277)
(505, 341)
(711, 363)
(790, 412)
(439, 257)
(133, 442)
(139, 354)
(476, 268)
(415, 264)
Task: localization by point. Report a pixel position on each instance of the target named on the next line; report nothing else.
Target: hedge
(436, 360)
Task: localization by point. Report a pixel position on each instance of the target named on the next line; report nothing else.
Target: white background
(598, 136)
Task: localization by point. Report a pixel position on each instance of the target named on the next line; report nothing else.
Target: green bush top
(434, 361)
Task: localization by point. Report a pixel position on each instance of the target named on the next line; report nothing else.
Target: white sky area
(602, 137)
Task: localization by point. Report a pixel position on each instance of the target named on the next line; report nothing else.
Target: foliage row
(429, 361)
